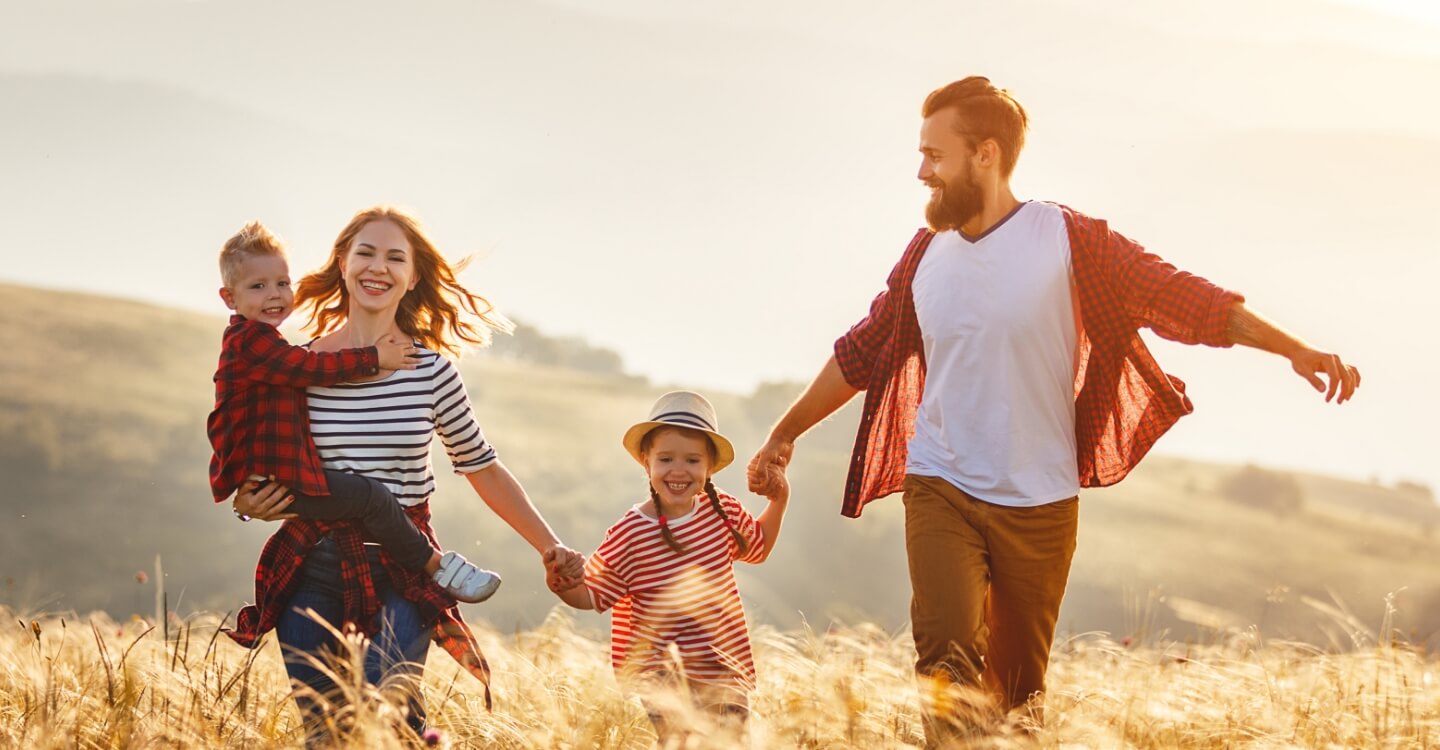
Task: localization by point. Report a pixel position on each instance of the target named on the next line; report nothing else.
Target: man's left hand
(1342, 379)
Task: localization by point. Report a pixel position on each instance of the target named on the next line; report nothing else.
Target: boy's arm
(266, 357)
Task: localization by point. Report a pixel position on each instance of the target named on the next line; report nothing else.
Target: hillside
(103, 454)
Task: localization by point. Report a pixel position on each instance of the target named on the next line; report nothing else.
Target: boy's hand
(397, 353)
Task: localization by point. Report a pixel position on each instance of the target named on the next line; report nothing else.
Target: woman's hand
(266, 504)
(564, 568)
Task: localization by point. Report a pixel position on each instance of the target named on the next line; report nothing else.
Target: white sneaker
(463, 580)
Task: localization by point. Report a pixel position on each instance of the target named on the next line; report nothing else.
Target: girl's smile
(678, 465)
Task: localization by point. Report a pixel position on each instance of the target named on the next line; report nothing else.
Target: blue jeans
(396, 655)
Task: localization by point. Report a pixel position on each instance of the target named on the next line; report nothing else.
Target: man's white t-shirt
(997, 418)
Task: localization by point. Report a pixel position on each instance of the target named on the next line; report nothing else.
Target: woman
(384, 277)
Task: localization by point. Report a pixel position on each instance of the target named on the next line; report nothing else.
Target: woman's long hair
(433, 312)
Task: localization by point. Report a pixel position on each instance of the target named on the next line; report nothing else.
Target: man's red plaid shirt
(260, 424)
(1123, 401)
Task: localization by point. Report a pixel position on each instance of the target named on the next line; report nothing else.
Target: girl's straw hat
(682, 409)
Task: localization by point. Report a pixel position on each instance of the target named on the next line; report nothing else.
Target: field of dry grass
(1174, 570)
(95, 683)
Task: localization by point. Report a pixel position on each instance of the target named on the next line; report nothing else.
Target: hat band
(688, 419)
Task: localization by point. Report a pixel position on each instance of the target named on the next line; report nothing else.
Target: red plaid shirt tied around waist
(1123, 401)
(277, 577)
(261, 424)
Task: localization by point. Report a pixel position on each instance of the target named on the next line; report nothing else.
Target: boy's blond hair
(252, 239)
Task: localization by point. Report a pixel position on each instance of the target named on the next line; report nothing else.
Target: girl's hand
(564, 568)
(775, 454)
(777, 485)
(265, 504)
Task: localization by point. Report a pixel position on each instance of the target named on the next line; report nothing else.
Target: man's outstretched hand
(1340, 380)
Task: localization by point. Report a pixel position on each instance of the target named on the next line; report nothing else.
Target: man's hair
(253, 239)
(985, 112)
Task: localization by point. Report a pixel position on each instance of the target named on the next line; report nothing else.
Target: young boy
(260, 427)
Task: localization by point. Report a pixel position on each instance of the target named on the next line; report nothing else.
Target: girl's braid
(665, 531)
(720, 509)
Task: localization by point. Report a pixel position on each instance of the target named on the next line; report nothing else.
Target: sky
(716, 191)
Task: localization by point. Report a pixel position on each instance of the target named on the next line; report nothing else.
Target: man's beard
(953, 204)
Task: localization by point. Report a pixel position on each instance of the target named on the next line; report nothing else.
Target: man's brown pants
(987, 581)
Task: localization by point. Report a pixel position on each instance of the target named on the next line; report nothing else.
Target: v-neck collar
(993, 227)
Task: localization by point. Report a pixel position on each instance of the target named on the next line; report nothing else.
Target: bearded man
(1003, 371)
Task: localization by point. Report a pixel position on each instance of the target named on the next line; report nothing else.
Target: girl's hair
(710, 490)
(432, 312)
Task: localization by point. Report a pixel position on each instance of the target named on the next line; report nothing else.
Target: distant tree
(1416, 491)
(1274, 491)
(528, 344)
(770, 400)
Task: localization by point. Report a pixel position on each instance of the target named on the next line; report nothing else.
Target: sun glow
(1421, 10)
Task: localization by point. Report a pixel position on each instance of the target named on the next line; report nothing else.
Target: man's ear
(228, 297)
(987, 152)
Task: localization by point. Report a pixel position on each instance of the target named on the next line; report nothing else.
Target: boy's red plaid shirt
(260, 424)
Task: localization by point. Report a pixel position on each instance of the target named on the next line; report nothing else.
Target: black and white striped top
(383, 429)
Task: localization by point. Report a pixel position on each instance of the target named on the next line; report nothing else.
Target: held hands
(263, 503)
(397, 353)
(564, 568)
(1343, 379)
(777, 484)
(766, 471)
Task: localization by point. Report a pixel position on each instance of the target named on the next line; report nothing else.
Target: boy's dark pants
(987, 582)
(369, 502)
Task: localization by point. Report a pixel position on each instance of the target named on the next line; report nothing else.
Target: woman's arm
(502, 492)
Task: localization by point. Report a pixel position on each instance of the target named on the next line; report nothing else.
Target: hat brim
(724, 451)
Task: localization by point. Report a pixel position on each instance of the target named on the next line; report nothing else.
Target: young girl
(666, 567)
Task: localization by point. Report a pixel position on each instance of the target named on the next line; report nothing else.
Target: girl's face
(379, 267)
(678, 464)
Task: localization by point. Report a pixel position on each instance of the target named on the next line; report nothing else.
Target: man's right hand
(265, 503)
(776, 452)
(396, 353)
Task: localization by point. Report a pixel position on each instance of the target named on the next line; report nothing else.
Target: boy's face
(262, 290)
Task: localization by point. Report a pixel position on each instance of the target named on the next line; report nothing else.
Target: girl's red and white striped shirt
(690, 599)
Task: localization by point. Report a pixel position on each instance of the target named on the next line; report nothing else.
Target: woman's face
(379, 267)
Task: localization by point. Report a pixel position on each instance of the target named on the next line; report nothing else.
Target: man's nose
(925, 172)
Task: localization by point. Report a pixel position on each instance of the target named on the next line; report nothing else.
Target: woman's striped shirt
(688, 599)
(383, 429)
